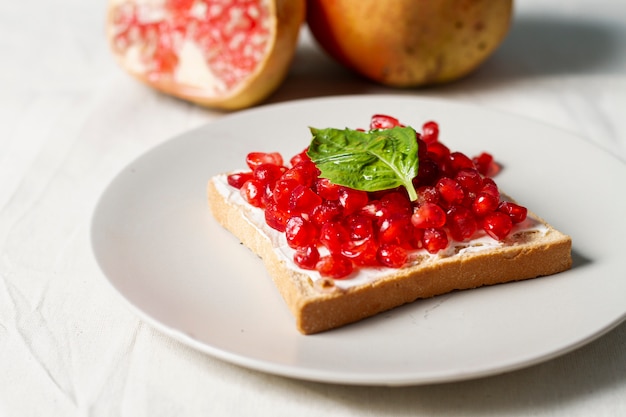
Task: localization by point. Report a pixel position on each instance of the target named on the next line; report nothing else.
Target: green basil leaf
(368, 161)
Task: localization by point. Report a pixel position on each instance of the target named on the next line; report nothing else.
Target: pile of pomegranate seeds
(456, 199)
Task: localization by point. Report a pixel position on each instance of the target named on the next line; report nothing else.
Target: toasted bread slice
(320, 304)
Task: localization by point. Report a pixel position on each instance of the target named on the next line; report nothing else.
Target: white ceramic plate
(158, 245)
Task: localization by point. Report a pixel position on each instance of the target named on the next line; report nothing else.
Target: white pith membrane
(363, 275)
(210, 46)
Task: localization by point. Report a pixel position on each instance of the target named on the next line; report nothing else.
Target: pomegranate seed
(460, 161)
(300, 232)
(239, 178)
(430, 132)
(484, 203)
(391, 255)
(422, 148)
(461, 223)
(333, 235)
(381, 121)
(268, 173)
(470, 179)
(282, 192)
(498, 225)
(516, 212)
(329, 210)
(428, 215)
(396, 202)
(304, 173)
(274, 217)
(450, 190)
(306, 257)
(395, 229)
(334, 266)
(427, 173)
(303, 200)
(490, 187)
(438, 151)
(352, 200)
(254, 159)
(483, 163)
(326, 189)
(427, 194)
(360, 227)
(252, 191)
(434, 240)
(301, 157)
(361, 252)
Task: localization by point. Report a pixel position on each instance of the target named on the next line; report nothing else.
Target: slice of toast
(532, 250)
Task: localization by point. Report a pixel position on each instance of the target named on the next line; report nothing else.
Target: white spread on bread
(256, 217)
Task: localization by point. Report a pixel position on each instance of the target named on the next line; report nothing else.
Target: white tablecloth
(70, 119)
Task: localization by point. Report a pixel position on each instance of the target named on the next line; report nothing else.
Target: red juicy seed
(239, 178)
(460, 161)
(304, 173)
(461, 223)
(329, 210)
(428, 172)
(392, 255)
(276, 218)
(381, 121)
(282, 192)
(498, 225)
(334, 266)
(252, 191)
(396, 202)
(326, 189)
(450, 190)
(430, 132)
(395, 229)
(428, 215)
(422, 148)
(434, 240)
(490, 187)
(268, 195)
(254, 159)
(374, 210)
(359, 226)
(178, 6)
(427, 194)
(470, 179)
(303, 200)
(300, 232)
(361, 252)
(516, 212)
(438, 151)
(268, 173)
(484, 203)
(352, 200)
(306, 257)
(301, 157)
(483, 163)
(333, 235)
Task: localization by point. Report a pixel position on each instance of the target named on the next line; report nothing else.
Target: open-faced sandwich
(364, 221)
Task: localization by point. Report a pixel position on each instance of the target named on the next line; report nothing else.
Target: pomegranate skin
(286, 18)
(410, 43)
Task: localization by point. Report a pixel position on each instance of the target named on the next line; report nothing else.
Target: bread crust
(317, 308)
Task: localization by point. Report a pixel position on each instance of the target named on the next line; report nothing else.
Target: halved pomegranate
(222, 54)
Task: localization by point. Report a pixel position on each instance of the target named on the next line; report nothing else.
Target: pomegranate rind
(412, 43)
(286, 20)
